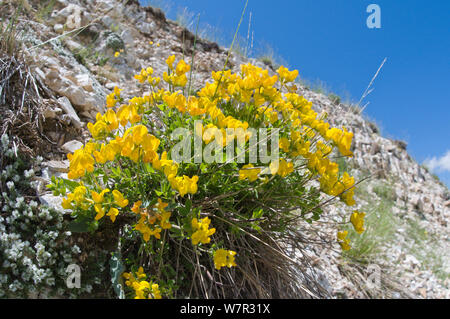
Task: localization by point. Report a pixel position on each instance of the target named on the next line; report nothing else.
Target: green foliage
(9, 34)
(88, 55)
(44, 10)
(381, 227)
(427, 248)
(385, 192)
(336, 99)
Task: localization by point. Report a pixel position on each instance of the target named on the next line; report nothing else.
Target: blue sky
(329, 41)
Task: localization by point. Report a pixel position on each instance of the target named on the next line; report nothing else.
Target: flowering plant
(190, 216)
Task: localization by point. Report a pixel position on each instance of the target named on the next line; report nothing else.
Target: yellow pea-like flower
(119, 199)
(248, 172)
(357, 219)
(343, 241)
(100, 211)
(112, 213)
(98, 198)
(170, 60)
(224, 258)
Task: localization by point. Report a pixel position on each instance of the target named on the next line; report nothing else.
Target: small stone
(127, 37)
(111, 85)
(145, 28)
(70, 111)
(51, 201)
(57, 166)
(73, 45)
(423, 292)
(84, 81)
(59, 28)
(72, 146)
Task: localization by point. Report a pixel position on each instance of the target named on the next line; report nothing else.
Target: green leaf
(81, 226)
(69, 183)
(257, 228)
(188, 205)
(257, 213)
(149, 168)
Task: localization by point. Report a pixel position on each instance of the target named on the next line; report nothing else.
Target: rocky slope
(70, 48)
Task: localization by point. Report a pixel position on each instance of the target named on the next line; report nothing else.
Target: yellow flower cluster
(357, 220)
(248, 172)
(224, 258)
(81, 161)
(184, 184)
(286, 75)
(122, 132)
(80, 198)
(202, 231)
(146, 224)
(136, 144)
(146, 75)
(254, 86)
(282, 168)
(142, 288)
(176, 76)
(113, 98)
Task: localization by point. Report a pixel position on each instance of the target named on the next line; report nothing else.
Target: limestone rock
(70, 111)
(72, 146)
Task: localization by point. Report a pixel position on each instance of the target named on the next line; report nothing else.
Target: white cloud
(439, 164)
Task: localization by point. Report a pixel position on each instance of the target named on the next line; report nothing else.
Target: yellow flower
(284, 144)
(170, 60)
(282, 167)
(116, 55)
(98, 198)
(119, 199)
(182, 68)
(224, 258)
(139, 131)
(248, 172)
(79, 194)
(155, 292)
(100, 211)
(161, 205)
(183, 184)
(110, 118)
(348, 183)
(66, 203)
(140, 273)
(286, 75)
(99, 129)
(136, 207)
(343, 241)
(357, 219)
(142, 288)
(113, 98)
(165, 224)
(112, 213)
(202, 233)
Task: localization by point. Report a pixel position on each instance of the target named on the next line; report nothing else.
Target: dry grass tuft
(20, 104)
